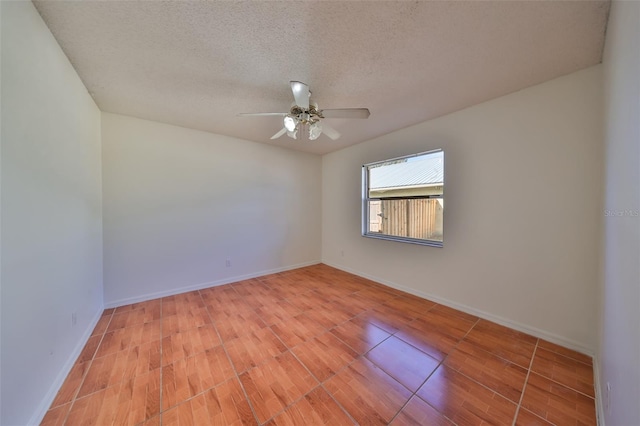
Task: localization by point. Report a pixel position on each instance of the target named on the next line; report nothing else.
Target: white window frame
(366, 200)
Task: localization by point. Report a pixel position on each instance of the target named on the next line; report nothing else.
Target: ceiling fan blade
(300, 94)
(346, 113)
(258, 114)
(332, 133)
(280, 133)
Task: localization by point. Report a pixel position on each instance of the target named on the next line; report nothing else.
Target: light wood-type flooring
(317, 346)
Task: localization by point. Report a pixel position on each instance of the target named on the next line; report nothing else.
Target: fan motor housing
(306, 116)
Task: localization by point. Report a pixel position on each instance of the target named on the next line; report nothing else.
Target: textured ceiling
(198, 64)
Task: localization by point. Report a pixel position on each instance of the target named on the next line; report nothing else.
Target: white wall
(178, 203)
(522, 217)
(51, 215)
(619, 349)
(0, 218)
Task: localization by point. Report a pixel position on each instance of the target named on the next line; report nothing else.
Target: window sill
(430, 243)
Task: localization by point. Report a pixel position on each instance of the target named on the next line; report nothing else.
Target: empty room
(320, 212)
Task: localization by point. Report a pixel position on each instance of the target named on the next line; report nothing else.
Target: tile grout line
(320, 384)
(363, 355)
(94, 358)
(224, 347)
(246, 395)
(556, 352)
(563, 385)
(222, 343)
(491, 353)
(301, 363)
(290, 350)
(191, 397)
(84, 376)
(504, 359)
(526, 382)
(355, 422)
(415, 393)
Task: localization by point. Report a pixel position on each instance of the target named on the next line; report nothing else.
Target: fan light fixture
(315, 130)
(305, 114)
(290, 123)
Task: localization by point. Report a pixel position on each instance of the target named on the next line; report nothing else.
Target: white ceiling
(197, 64)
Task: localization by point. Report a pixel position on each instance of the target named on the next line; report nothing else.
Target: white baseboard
(185, 289)
(536, 332)
(46, 402)
(598, 390)
(568, 343)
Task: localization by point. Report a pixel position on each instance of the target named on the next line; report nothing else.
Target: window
(403, 198)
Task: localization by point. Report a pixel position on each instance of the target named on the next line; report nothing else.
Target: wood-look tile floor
(317, 346)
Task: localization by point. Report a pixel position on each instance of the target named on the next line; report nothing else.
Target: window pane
(417, 176)
(404, 198)
(410, 218)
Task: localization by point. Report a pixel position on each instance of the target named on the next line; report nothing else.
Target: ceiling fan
(306, 116)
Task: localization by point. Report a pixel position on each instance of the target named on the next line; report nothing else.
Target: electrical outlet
(607, 399)
(341, 253)
(74, 319)
(228, 263)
